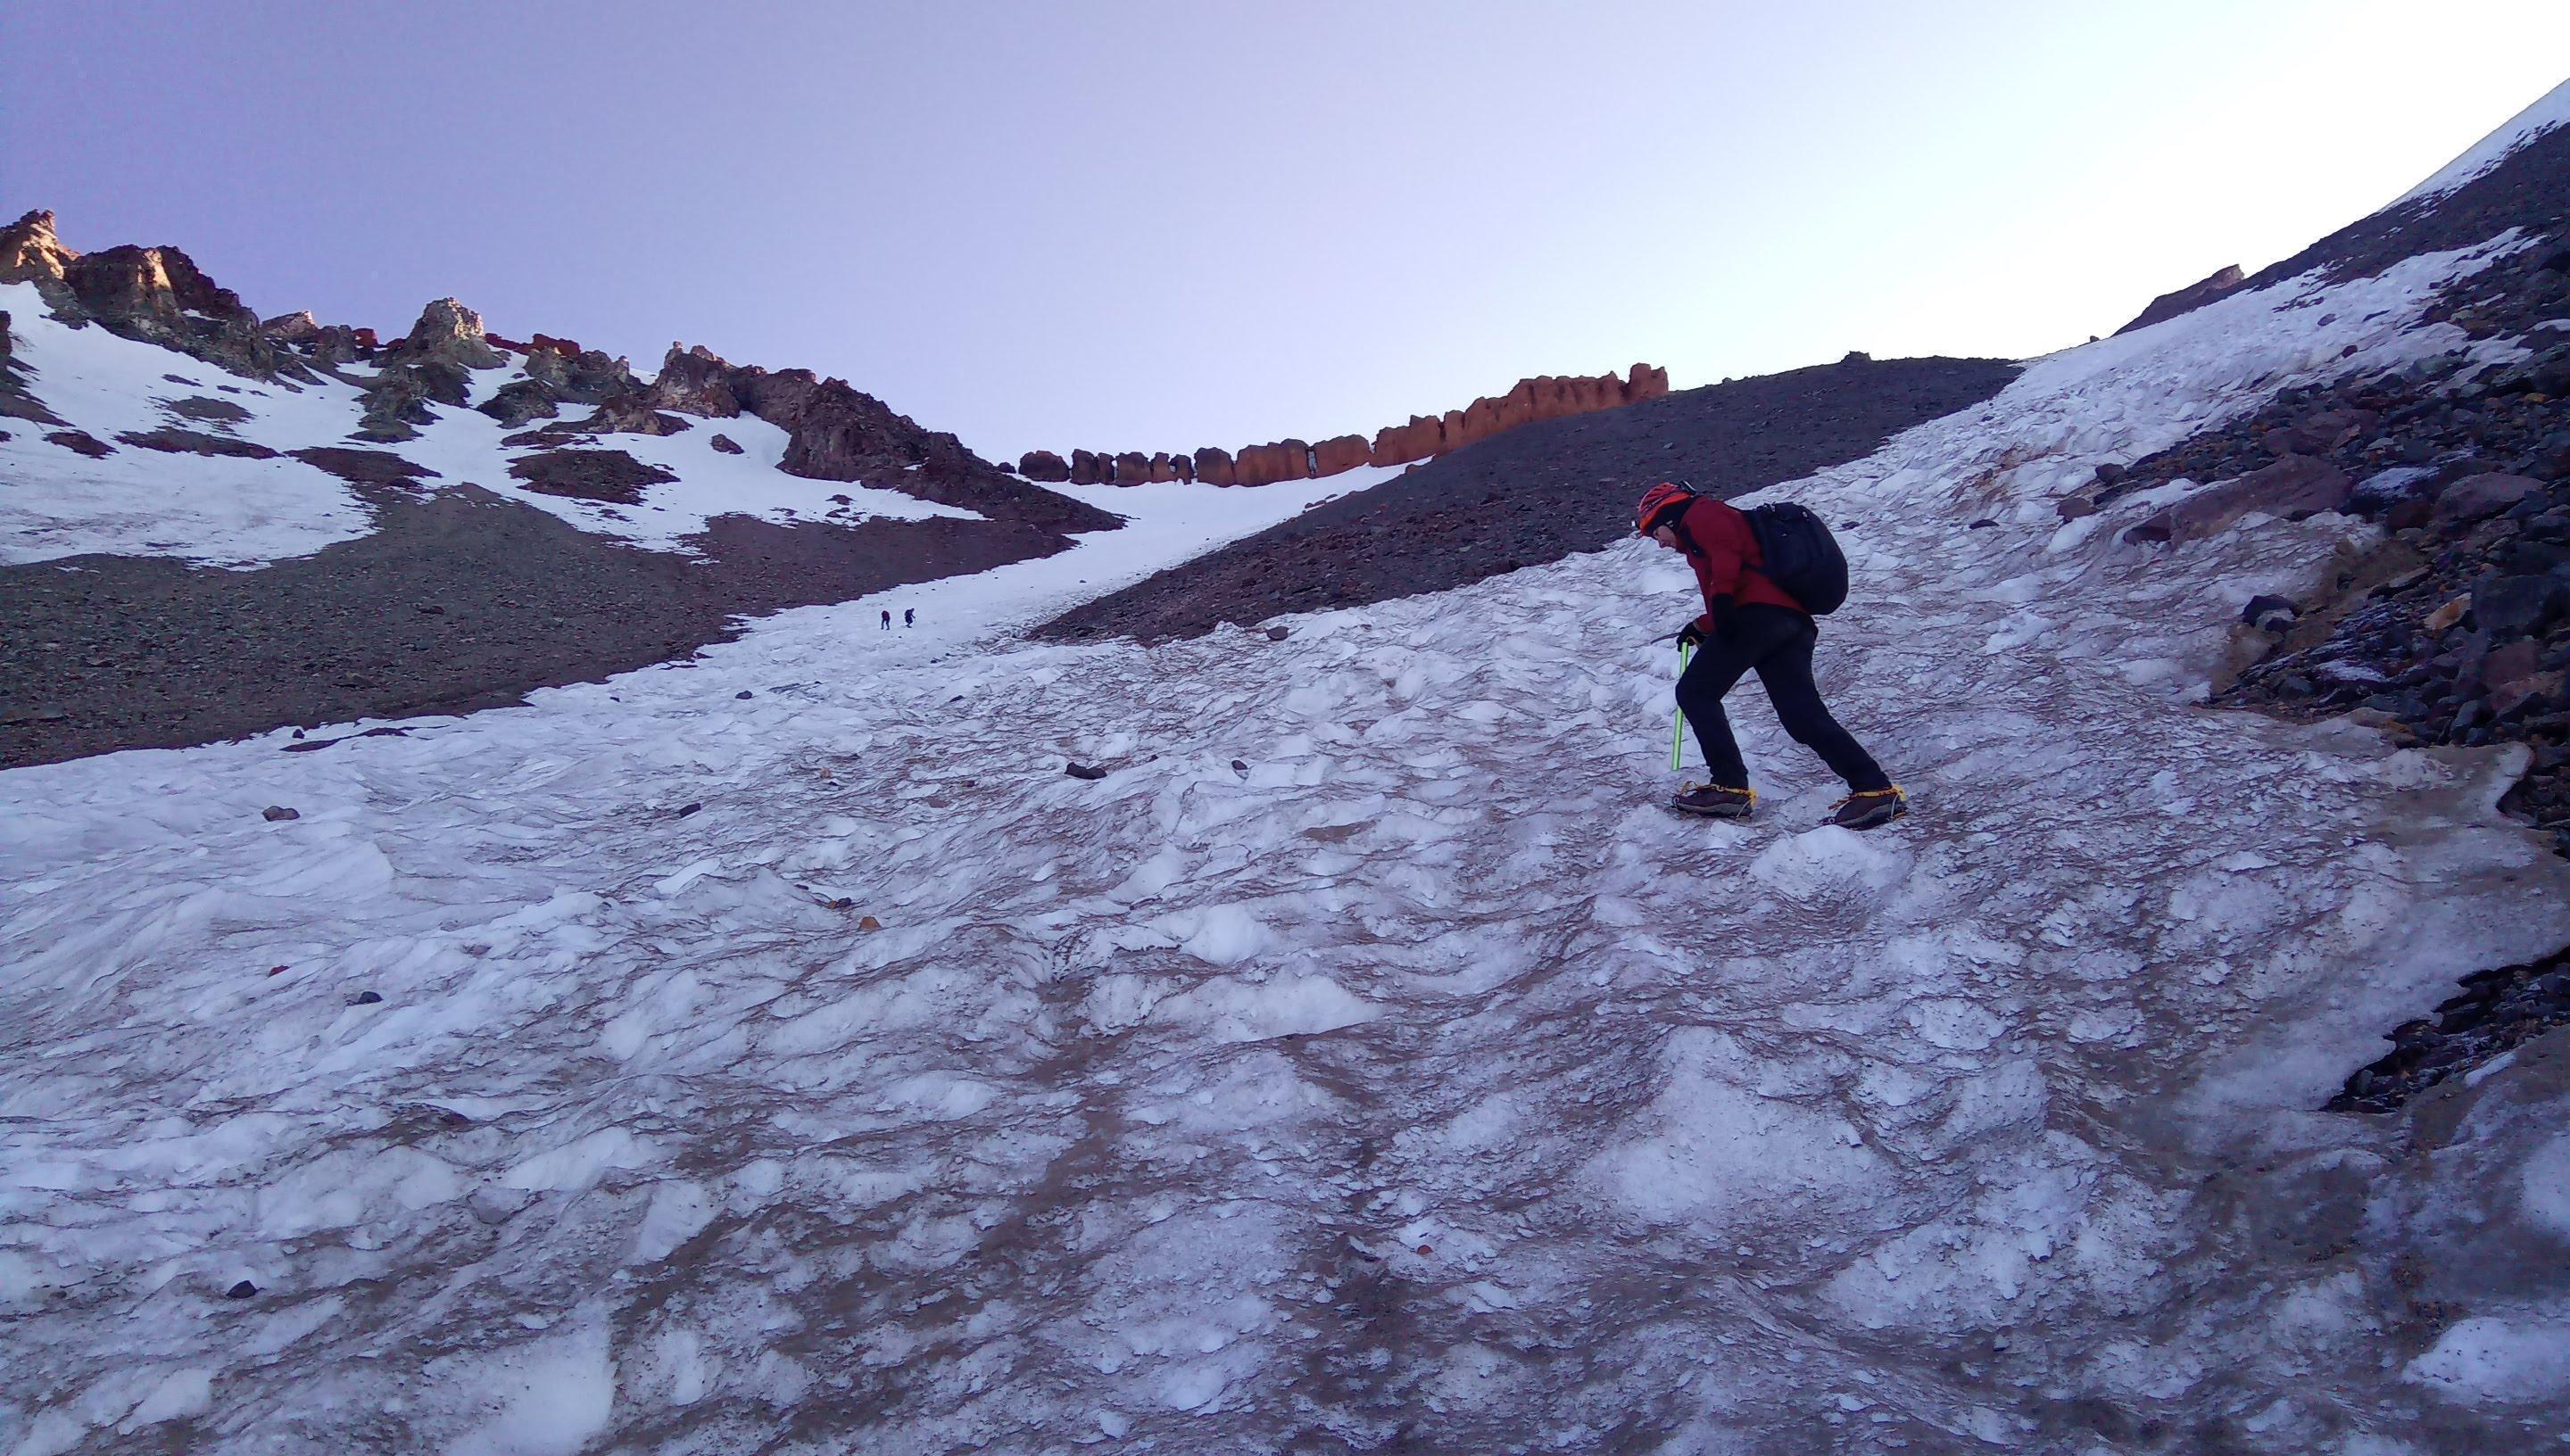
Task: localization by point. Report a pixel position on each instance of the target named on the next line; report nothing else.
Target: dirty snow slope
(1366, 1061)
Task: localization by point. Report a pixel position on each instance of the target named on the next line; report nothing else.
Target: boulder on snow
(725, 445)
(2292, 488)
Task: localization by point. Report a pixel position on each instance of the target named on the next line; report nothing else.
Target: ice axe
(1678, 735)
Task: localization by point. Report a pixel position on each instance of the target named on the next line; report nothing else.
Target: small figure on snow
(910, 617)
(887, 627)
(1751, 622)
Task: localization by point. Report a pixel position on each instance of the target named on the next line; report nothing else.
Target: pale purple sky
(1163, 225)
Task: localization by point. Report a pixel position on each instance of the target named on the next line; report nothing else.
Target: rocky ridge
(2221, 284)
(834, 432)
(1539, 492)
(157, 296)
(837, 433)
(1547, 397)
(2456, 627)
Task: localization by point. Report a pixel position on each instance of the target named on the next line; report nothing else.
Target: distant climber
(887, 627)
(910, 617)
(1751, 623)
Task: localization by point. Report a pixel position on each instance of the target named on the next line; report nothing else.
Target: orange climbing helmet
(1656, 503)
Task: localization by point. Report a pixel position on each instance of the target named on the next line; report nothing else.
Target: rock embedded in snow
(278, 813)
(2292, 488)
(2269, 614)
(725, 444)
(1079, 770)
(609, 475)
(172, 441)
(242, 1290)
(80, 443)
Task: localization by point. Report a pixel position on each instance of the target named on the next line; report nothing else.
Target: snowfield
(1368, 1062)
(2550, 110)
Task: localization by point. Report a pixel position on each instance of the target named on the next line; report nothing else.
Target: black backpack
(1798, 553)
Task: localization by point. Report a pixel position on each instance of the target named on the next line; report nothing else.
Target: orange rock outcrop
(1547, 397)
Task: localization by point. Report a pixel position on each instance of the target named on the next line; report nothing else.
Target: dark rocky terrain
(2495, 1012)
(1540, 492)
(2455, 628)
(458, 601)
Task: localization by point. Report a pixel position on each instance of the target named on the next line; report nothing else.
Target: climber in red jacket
(1752, 624)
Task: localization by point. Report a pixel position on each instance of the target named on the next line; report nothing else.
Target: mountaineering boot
(1869, 809)
(1713, 801)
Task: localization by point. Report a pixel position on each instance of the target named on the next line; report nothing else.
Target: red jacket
(1724, 551)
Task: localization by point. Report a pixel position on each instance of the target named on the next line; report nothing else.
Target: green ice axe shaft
(1678, 735)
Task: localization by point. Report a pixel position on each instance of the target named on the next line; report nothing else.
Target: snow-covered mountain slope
(1365, 1062)
(237, 511)
(2546, 115)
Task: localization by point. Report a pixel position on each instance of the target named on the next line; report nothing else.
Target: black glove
(1691, 635)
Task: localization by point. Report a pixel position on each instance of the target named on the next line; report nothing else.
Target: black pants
(1777, 644)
